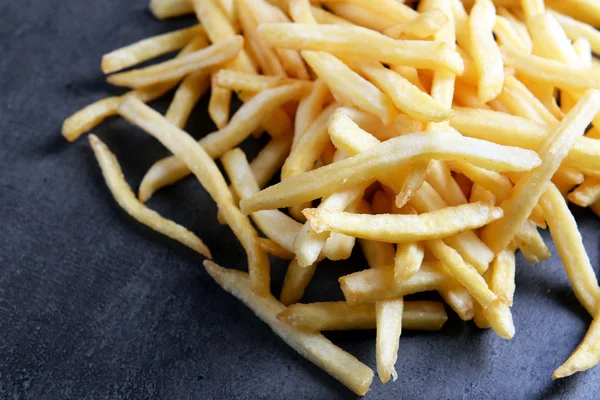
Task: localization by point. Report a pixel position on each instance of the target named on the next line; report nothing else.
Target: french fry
(229, 9)
(393, 10)
(313, 346)
(484, 50)
(328, 316)
(587, 11)
(126, 199)
(518, 89)
(397, 228)
(413, 182)
(163, 9)
(587, 193)
(568, 175)
(253, 83)
(425, 25)
(502, 276)
(585, 356)
(170, 170)
(296, 280)
(389, 328)
(338, 246)
(408, 260)
(576, 29)
(583, 49)
(272, 248)
(440, 178)
(550, 41)
(529, 189)
(508, 35)
(325, 17)
(480, 194)
(186, 96)
(177, 68)
(347, 41)
(360, 16)
(531, 243)
(219, 103)
(207, 172)
(496, 183)
(532, 8)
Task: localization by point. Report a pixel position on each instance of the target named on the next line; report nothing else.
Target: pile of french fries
(438, 134)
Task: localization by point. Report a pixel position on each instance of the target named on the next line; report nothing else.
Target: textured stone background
(94, 306)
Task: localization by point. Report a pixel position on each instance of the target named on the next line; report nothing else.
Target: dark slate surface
(94, 306)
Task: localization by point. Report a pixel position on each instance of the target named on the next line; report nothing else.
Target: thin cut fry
(296, 280)
(550, 41)
(425, 25)
(187, 95)
(408, 260)
(252, 83)
(531, 243)
(207, 172)
(502, 276)
(219, 104)
(360, 16)
(274, 249)
(163, 9)
(389, 328)
(587, 354)
(315, 347)
(576, 29)
(392, 9)
(587, 193)
(128, 202)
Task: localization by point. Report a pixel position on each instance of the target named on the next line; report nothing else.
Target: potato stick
(500, 319)
(587, 11)
(531, 243)
(480, 194)
(219, 103)
(532, 8)
(466, 274)
(361, 16)
(273, 223)
(377, 254)
(229, 9)
(170, 170)
(568, 175)
(187, 95)
(313, 346)
(339, 315)
(584, 50)
(545, 94)
(423, 26)
(484, 50)
(339, 246)
(569, 245)
(207, 172)
(405, 96)
(508, 35)
(408, 260)
(461, 23)
(402, 125)
(528, 190)
(350, 86)
(218, 28)
(389, 328)
(519, 106)
(178, 68)
(163, 9)
(496, 183)
(391, 9)
(309, 109)
(551, 72)
(272, 248)
(113, 175)
(440, 178)
(502, 276)
(587, 193)
(550, 41)
(296, 280)
(310, 145)
(517, 88)
(410, 74)
(378, 284)
(459, 299)
(576, 29)
(253, 83)
(87, 118)
(519, 27)
(149, 48)
(325, 17)
(361, 42)
(479, 318)
(412, 183)
(391, 154)
(585, 356)
(397, 228)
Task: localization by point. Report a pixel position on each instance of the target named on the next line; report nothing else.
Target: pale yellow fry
(459, 299)
(325, 17)
(360, 16)
(389, 328)
(551, 72)
(350, 86)
(273, 223)
(532, 185)
(408, 260)
(569, 245)
(480, 194)
(309, 109)
(377, 254)
(163, 9)
(461, 24)
(440, 178)
(466, 96)
(219, 103)
(545, 93)
(202, 165)
(587, 193)
(531, 243)
(254, 83)
(511, 130)
(576, 29)
(187, 95)
(113, 175)
(270, 159)
(466, 274)
(495, 182)
(532, 8)
(587, 11)
(583, 49)
(425, 25)
(313, 346)
(507, 34)
(519, 26)
(148, 48)
(568, 175)
(484, 50)
(386, 156)
(518, 89)
(413, 182)
(362, 42)
(550, 41)
(274, 249)
(397, 228)
(338, 246)
(502, 276)
(499, 317)
(407, 97)
(339, 315)
(391, 9)
(248, 118)
(296, 280)
(586, 355)
(378, 284)
(177, 68)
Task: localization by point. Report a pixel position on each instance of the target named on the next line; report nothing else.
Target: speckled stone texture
(94, 306)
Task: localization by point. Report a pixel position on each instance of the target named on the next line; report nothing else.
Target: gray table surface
(92, 305)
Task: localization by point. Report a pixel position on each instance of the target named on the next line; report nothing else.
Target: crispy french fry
(529, 189)
(508, 35)
(550, 41)
(480, 194)
(587, 193)
(207, 172)
(502, 276)
(392, 9)
(389, 328)
(519, 27)
(126, 199)
(348, 41)
(531, 243)
(325, 17)
(568, 175)
(187, 95)
(149, 48)
(576, 29)
(313, 346)
(360, 16)
(408, 260)
(413, 182)
(440, 178)
(496, 183)
(274, 249)
(219, 104)
(163, 9)
(178, 68)
(518, 89)
(583, 48)
(296, 280)
(339, 246)
(587, 11)
(270, 159)
(585, 356)
(170, 170)
(425, 25)
(254, 83)
(570, 248)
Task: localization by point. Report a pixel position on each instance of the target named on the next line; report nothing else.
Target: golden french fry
(178, 68)
(315, 347)
(207, 172)
(518, 90)
(583, 48)
(126, 199)
(219, 103)
(296, 280)
(187, 95)
(360, 16)
(529, 189)
(508, 35)
(567, 238)
(413, 182)
(440, 178)
(170, 170)
(163, 9)
(274, 249)
(392, 9)
(408, 260)
(350, 41)
(480, 194)
(568, 175)
(531, 243)
(586, 355)
(270, 159)
(148, 48)
(425, 25)
(253, 83)
(389, 328)
(587, 193)
(324, 17)
(587, 11)
(576, 29)
(496, 183)
(502, 276)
